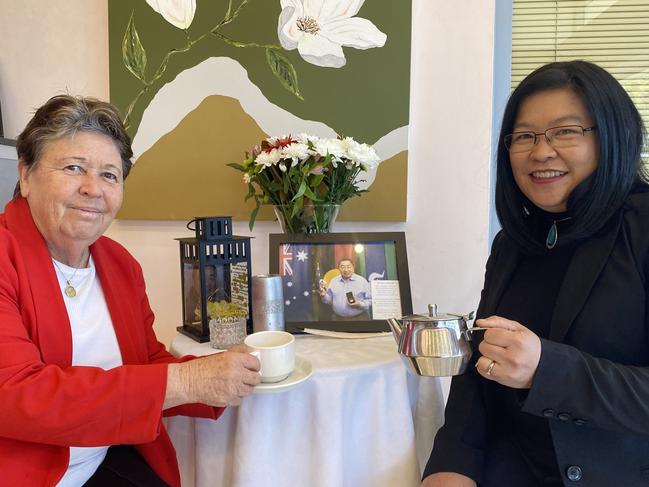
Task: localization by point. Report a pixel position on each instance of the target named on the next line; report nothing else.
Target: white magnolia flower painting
(179, 13)
(319, 29)
(200, 82)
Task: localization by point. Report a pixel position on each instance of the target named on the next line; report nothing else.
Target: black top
(529, 298)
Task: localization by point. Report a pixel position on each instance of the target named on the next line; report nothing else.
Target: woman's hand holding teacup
(510, 352)
(221, 379)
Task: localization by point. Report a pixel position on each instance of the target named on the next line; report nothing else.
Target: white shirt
(94, 343)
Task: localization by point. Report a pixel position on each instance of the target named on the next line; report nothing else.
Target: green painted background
(367, 98)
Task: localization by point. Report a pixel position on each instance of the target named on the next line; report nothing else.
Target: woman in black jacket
(559, 394)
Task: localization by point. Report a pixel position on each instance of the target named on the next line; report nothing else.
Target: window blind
(611, 33)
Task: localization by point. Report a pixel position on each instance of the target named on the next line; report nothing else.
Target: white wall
(50, 46)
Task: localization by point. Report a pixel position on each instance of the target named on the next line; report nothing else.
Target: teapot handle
(468, 317)
(471, 330)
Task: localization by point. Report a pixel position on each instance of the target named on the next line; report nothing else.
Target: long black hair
(619, 170)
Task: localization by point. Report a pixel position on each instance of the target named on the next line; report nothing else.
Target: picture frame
(377, 288)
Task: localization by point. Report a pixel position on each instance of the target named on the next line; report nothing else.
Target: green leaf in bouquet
(253, 216)
(300, 191)
(239, 167)
(310, 194)
(297, 208)
(251, 192)
(133, 53)
(284, 71)
(317, 179)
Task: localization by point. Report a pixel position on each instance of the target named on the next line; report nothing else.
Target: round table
(360, 420)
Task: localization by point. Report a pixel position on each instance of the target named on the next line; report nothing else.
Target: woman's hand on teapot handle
(447, 479)
(514, 349)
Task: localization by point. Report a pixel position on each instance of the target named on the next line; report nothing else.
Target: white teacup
(276, 352)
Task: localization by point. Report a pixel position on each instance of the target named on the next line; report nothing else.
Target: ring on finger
(490, 367)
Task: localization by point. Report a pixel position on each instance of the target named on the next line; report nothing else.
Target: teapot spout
(395, 326)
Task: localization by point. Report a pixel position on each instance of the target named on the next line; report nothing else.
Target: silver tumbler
(267, 303)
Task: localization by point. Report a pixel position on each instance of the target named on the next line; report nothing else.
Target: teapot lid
(434, 315)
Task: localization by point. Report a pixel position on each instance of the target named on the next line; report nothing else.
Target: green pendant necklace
(553, 233)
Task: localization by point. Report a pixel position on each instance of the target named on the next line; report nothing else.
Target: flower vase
(312, 218)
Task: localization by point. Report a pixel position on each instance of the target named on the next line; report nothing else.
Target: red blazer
(46, 404)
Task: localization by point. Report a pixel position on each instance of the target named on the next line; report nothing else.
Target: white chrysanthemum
(296, 152)
(306, 138)
(361, 153)
(246, 178)
(348, 143)
(268, 159)
(330, 146)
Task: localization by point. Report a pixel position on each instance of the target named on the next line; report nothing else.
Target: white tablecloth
(360, 420)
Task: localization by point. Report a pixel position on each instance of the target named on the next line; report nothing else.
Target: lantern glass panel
(217, 283)
(239, 285)
(192, 295)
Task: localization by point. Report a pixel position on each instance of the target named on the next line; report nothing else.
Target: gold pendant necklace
(69, 290)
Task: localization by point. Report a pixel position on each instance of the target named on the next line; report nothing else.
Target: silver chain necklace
(69, 290)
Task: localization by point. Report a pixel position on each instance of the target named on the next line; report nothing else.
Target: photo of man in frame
(331, 282)
(348, 294)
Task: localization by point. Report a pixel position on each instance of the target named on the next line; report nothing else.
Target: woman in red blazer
(61, 405)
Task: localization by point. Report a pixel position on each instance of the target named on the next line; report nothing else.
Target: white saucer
(302, 372)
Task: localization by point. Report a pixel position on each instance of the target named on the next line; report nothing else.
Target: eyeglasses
(558, 137)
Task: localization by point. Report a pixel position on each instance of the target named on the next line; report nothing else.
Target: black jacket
(592, 382)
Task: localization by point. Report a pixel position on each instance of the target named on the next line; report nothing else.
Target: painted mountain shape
(184, 173)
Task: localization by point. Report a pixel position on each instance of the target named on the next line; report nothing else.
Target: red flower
(279, 143)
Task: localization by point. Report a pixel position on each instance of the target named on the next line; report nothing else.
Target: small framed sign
(347, 282)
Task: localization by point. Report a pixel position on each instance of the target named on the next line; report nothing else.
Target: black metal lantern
(214, 268)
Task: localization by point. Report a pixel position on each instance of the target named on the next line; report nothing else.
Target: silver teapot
(435, 345)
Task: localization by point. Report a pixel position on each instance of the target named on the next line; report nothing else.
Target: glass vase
(312, 218)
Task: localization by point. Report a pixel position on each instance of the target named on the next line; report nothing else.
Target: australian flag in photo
(295, 265)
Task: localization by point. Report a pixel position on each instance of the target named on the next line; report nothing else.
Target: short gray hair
(63, 116)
